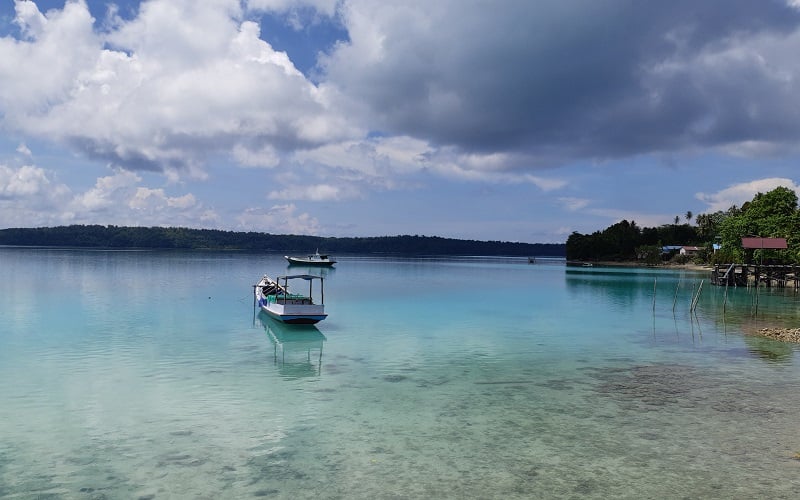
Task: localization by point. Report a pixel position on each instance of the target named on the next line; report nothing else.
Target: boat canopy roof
(300, 276)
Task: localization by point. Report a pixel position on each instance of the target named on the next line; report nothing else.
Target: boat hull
(299, 261)
(295, 319)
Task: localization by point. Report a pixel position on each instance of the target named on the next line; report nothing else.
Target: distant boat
(531, 260)
(314, 259)
(275, 298)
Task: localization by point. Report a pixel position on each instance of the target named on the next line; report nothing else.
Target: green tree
(769, 215)
(688, 216)
(650, 254)
(708, 224)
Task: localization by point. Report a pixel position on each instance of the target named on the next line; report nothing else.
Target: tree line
(119, 237)
(719, 235)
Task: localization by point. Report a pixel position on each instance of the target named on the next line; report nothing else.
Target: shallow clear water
(148, 375)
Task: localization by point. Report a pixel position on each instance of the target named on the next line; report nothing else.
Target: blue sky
(514, 120)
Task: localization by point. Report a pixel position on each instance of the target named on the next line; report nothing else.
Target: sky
(510, 120)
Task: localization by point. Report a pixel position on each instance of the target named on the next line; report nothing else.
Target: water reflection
(297, 349)
(325, 272)
(608, 286)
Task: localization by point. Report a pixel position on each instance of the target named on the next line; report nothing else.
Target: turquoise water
(149, 375)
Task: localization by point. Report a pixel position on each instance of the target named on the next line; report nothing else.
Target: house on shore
(686, 250)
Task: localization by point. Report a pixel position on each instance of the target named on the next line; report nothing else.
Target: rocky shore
(782, 334)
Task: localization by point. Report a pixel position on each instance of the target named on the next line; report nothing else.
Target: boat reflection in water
(297, 348)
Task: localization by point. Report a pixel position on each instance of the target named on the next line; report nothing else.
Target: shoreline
(611, 263)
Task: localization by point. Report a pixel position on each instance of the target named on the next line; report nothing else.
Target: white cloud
(155, 200)
(24, 150)
(22, 182)
(384, 161)
(378, 157)
(30, 21)
(574, 204)
(326, 7)
(737, 194)
(121, 198)
(317, 192)
(180, 81)
(30, 196)
(278, 219)
(265, 156)
(107, 192)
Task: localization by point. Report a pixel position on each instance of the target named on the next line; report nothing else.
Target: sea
(150, 374)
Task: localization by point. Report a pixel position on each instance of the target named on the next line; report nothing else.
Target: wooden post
(655, 281)
(725, 301)
(675, 298)
(696, 297)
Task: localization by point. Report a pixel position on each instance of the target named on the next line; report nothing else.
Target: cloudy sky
(514, 120)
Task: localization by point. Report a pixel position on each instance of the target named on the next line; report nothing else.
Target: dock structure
(768, 275)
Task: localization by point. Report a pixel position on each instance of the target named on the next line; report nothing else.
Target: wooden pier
(778, 276)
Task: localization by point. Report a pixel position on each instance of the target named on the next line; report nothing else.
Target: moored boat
(315, 259)
(275, 298)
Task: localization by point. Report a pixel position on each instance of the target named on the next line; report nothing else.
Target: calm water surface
(148, 375)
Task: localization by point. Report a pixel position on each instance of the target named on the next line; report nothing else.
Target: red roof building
(764, 243)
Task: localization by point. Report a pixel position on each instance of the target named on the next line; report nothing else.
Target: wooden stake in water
(675, 298)
(655, 281)
(725, 301)
(696, 297)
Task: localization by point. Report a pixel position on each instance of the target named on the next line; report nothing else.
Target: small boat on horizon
(315, 259)
(275, 298)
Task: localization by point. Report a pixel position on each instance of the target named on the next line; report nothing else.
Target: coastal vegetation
(118, 237)
(718, 235)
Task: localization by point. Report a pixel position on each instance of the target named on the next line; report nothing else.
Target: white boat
(275, 298)
(314, 259)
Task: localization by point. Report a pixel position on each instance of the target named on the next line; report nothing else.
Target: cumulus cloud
(30, 195)
(162, 91)
(24, 181)
(738, 194)
(108, 191)
(121, 197)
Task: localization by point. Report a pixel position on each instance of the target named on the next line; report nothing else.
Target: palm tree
(677, 219)
(688, 216)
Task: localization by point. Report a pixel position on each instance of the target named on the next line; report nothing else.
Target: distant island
(127, 237)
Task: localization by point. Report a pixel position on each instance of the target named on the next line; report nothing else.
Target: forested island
(717, 236)
(127, 237)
